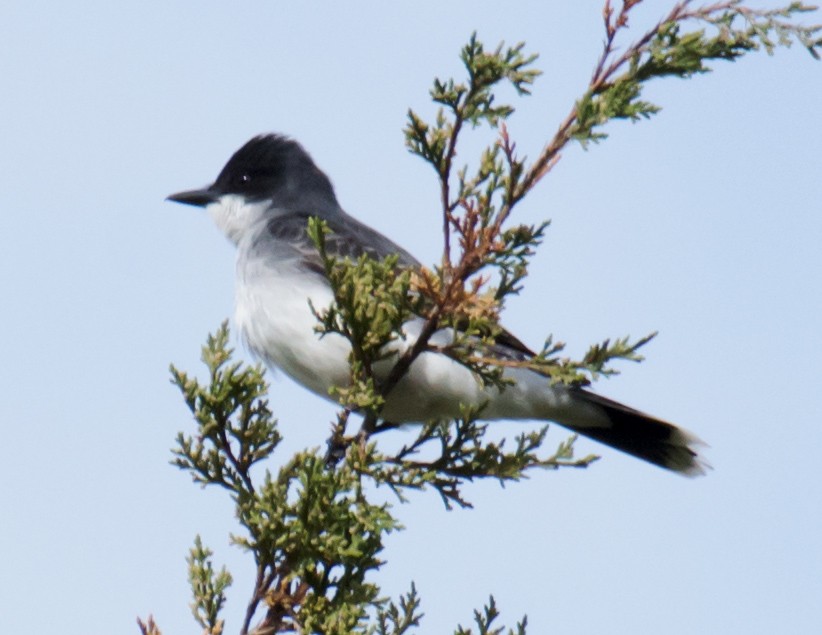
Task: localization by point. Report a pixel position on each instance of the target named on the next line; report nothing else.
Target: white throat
(234, 215)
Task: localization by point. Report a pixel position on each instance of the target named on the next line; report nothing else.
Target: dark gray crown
(275, 167)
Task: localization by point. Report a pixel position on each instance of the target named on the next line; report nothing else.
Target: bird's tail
(642, 436)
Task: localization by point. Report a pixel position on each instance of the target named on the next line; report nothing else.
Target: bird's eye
(245, 178)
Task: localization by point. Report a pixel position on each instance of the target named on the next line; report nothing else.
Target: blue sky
(703, 223)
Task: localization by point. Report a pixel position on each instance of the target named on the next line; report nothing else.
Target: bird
(262, 201)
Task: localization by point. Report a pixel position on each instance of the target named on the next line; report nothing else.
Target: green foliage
(372, 303)
(236, 427)
(592, 366)
(207, 587)
(311, 529)
(469, 102)
(485, 622)
(473, 102)
(396, 619)
(315, 537)
(313, 534)
(457, 453)
(668, 50)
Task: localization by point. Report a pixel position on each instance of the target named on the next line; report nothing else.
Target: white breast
(275, 318)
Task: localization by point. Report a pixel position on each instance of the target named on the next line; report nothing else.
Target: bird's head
(269, 175)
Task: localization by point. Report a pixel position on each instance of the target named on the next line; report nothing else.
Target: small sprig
(148, 627)
(459, 453)
(485, 619)
(592, 366)
(208, 588)
(397, 619)
(469, 102)
(236, 427)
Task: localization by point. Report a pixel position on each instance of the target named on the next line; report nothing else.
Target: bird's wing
(350, 238)
(347, 238)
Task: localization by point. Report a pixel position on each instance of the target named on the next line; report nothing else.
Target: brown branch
(259, 594)
(241, 469)
(445, 178)
(604, 72)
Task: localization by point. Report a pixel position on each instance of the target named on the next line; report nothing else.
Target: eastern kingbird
(262, 201)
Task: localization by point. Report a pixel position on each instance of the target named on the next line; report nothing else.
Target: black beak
(198, 198)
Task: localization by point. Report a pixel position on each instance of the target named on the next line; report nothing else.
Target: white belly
(275, 318)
